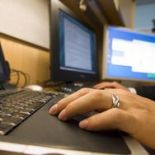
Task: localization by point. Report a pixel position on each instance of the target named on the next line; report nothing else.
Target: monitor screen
(128, 55)
(74, 53)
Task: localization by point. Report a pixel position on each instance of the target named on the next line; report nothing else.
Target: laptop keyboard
(16, 106)
(70, 88)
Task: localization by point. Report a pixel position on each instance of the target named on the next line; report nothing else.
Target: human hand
(114, 85)
(135, 115)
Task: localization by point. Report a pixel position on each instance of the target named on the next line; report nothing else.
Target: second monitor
(128, 55)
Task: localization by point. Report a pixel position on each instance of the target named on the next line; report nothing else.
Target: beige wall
(27, 20)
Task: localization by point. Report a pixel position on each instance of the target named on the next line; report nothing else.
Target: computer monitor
(73, 46)
(128, 55)
(4, 70)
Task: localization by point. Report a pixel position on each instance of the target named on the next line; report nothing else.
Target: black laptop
(37, 128)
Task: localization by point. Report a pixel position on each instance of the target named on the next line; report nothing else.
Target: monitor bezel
(56, 73)
(4, 77)
(104, 75)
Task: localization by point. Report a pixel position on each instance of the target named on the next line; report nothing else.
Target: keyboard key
(5, 127)
(17, 106)
(12, 120)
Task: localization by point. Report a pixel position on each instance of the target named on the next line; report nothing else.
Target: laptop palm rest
(44, 130)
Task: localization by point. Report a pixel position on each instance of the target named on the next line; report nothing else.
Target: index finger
(96, 100)
(58, 107)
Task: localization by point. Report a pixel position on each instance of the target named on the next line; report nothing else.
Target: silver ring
(115, 101)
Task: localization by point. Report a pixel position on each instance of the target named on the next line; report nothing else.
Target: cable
(25, 75)
(18, 76)
(25, 78)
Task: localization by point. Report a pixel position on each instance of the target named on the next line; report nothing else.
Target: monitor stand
(70, 86)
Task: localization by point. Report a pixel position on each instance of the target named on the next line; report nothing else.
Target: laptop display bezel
(4, 74)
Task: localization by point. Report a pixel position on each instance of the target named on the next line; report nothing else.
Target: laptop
(40, 133)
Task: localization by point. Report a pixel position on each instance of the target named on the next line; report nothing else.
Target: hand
(104, 85)
(136, 115)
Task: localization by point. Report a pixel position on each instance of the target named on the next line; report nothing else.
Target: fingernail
(62, 115)
(53, 110)
(83, 124)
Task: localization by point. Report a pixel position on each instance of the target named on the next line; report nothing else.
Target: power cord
(19, 74)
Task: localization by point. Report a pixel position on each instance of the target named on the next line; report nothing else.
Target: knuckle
(97, 93)
(118, 115)
(117, 112)
(69, 107)
(84, 90)
(60, 107)
(115, 83)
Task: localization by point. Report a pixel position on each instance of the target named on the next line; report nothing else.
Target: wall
(144, 15)
(29, 59)
(27, 20)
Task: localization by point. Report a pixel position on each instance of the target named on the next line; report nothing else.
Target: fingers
(104, 85)
(65, 101)
(92, 101)
(83, 101)
(112, 85)
(111, 119)
(89, 100)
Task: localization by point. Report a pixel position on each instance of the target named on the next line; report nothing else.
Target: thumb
(111, 119)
